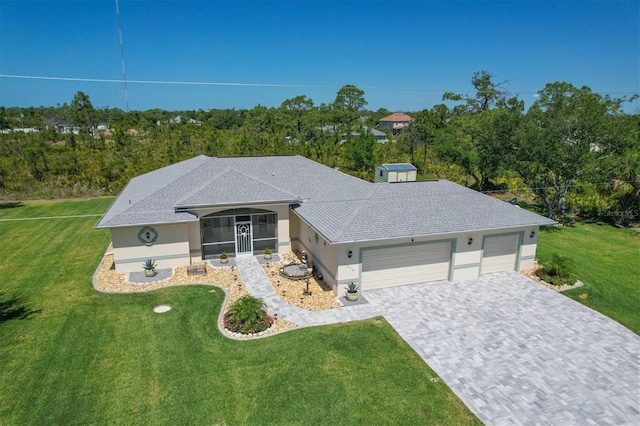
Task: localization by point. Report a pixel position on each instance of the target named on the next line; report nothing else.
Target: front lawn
(84, 357)
(607, 260)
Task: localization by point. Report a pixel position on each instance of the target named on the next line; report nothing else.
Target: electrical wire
(272, 85)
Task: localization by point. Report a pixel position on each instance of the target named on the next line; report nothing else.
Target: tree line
(571, 152)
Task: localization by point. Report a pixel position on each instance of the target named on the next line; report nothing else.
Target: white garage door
(500, 253)
(389, 267)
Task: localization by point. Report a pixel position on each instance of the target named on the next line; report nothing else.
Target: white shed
(397, 172)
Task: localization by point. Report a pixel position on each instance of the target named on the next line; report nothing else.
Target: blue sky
(403, 54)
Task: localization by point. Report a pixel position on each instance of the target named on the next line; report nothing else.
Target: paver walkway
(258, 285)
(512, 350)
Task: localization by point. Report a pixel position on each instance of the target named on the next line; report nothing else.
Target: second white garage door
(500, 253)
(389, 267)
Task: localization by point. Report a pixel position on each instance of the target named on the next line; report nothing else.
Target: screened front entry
(238, 232)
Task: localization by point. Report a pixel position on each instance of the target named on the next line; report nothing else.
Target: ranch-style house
(376, 234)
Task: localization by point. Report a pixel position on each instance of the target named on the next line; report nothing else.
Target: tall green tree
(424, 129)
(347, 105)
(83, 115)
(294, 112)
(489, 94)
(563, 131)
(358, 153)
(495, 137)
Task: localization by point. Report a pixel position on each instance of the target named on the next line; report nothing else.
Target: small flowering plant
(247, 316)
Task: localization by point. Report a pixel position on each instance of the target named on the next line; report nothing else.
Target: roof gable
(234, 187)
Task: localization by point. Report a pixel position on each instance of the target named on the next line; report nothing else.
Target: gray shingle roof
(340, 207)
(409, 209)
(152, 198)
(234, 187)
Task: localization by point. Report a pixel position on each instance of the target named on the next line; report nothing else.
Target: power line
(272, 85)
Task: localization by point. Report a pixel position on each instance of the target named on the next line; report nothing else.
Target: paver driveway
(518, 353)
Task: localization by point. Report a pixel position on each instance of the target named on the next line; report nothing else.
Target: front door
(244, 238)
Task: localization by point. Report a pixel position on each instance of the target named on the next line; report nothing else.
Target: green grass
(85, 357)
(607, 260)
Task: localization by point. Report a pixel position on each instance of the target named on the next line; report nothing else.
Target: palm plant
(247, 315)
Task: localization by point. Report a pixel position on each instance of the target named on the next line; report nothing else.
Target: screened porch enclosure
(238, 232)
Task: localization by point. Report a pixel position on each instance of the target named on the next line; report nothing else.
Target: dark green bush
(247, 315)
(559, 270)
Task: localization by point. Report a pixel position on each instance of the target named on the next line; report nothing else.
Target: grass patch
(606, 260)
(82, 357)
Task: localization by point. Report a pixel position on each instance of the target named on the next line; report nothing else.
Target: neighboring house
(375, 234)
(398, 172)
(179, 119)
(64, 127)
(395, 122)
(381, 137)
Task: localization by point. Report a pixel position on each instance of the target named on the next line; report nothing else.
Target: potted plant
(224, 257)
(149, 267)
(267, 253)
(352, 292)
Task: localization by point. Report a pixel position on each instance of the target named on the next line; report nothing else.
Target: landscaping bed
(291, 291)
(531, 273)
(109, 281)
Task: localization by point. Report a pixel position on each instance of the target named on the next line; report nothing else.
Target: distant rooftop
(397, 117)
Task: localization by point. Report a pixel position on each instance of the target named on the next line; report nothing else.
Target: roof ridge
(363, 202)
(205, 183)
(222, 173)
(296, 196)
(170, 183)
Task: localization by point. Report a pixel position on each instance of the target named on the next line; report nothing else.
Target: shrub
(247, 315)
(558, 271)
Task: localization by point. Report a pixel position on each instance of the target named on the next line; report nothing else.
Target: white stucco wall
(323, 255)
(465, 260)
(171, 248)
(528, 248)
(195, 248)
(467, 257)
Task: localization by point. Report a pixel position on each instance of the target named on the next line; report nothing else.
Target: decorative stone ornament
(148, 235)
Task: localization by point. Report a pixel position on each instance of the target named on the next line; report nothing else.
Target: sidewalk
(258, 285)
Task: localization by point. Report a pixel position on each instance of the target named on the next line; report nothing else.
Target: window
(380, 173)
